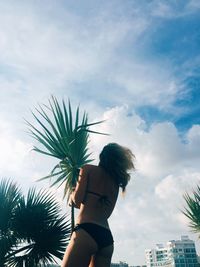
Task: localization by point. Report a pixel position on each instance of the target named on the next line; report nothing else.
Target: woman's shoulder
(89, 167)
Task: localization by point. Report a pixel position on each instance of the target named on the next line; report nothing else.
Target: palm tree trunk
(72, 218)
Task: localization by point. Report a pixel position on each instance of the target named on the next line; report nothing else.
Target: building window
(187, 250)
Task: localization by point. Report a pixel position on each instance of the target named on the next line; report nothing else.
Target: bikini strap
(102, 198)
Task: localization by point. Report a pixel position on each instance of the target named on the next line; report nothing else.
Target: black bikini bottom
(102, 236)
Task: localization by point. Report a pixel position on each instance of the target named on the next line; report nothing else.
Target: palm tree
(192, 211)
(9, 197)
(64, 139)
(31, 230)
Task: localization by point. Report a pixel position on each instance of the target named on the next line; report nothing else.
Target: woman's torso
(100, 197)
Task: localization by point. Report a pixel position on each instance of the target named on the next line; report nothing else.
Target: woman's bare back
(101, 194)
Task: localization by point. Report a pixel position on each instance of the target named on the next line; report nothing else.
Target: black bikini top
(102, 198)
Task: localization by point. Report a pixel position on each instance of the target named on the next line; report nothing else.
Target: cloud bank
(133, 64)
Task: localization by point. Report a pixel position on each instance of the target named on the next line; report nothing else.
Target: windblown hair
(117, 161)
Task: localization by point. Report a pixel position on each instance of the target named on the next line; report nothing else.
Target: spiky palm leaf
(192, 211)
(63, 138)
(35, 230)
(9, 198)
(38, 223)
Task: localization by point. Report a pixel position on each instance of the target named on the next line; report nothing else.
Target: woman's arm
(70, 202)
(78, 194)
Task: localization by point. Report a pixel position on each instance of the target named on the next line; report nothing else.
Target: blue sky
(133, 63)
(177, 40)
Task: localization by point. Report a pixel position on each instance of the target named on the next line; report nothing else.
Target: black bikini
(102, 236)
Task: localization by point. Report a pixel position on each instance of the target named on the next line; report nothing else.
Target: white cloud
(160, 150)
(163, 9)
(193, 138)
(13, 151)
(17, 160)
(173, 9)
(159, 87)
(45, 56)
(71, 50)
(193, 5)
(174, 186)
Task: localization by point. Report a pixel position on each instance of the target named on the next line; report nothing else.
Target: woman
(95, 195)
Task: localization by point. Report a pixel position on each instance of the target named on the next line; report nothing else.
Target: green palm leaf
(61, 137)
(10, 195)
(192, 209)
(42, 232)
(32, 231)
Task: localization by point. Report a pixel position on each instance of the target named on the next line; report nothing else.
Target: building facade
(176, 253)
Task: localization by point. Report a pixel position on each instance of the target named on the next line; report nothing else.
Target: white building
(176, 253)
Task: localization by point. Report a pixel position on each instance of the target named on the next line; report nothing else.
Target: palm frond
(32, 231)
(192, 209)
(64, 138)
(37, 221)
(10, 195)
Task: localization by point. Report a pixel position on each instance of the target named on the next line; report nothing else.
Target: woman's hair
(117, 161)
